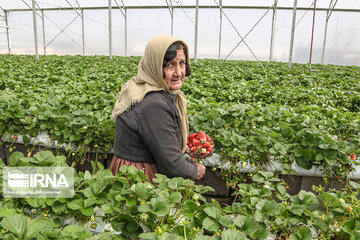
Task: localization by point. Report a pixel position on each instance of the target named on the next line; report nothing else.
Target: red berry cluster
(200, 143)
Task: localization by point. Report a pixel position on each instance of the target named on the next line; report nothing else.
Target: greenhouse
(180, 119)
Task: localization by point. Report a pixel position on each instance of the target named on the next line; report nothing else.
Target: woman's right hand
(201, 170)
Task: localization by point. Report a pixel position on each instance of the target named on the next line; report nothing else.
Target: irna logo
(37, 180)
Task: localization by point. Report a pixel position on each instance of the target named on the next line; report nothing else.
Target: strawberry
(208, 139)
(353, 157)
(190, 145)
(202, 136)
(287, 187)
(202, 151)
(192, 136)
(193, 148)
(206, 144)
(209, 149)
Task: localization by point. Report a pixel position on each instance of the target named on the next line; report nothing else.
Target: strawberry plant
(265, 113)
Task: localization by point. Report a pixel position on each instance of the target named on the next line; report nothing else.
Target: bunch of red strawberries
(200, 143)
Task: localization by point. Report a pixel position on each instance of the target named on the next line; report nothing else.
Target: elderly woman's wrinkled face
(174, 71)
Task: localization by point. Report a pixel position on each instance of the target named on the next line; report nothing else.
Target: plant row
(253, 114)
(127, 207)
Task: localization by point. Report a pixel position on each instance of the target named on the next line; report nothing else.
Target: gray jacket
(150, 132)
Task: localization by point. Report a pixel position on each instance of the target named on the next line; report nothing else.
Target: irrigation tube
(315, 171)
(214, 160)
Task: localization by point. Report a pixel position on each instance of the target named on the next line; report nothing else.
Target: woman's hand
(201, 170)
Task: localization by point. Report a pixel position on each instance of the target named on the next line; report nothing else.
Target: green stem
(185, 233)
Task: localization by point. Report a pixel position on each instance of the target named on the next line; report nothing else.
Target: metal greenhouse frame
(169, 4)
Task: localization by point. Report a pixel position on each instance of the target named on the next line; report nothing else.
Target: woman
(151, 121)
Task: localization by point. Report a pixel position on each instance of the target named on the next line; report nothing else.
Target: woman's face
(174, 71)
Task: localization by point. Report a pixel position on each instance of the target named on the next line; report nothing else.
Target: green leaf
(319, 157)
(247, 224)
(141, 190)
(159, 178)
(330, 161)
(203, 189)
(232, 235)
(175, 197)
(99, 186)
(106, 208)
(213, 212)
(150, 236)
(330, 153)
(59, 207)
(89, 202)
(36, 202)
(5, 212)
(261, 232)
(350, 226)
(355, 185)
(44, 158)
(303, 233)
(16, 224)
(144, 208)
(88, 211)
(174, 183)
(226, 220)
(39, 225)
(15, 159)
(265, 208)
(73, 229)
(189, 208)
(164, 195)
(261, 176)
(127, 225)
(160, 208)
(76, 204)
(210, 224)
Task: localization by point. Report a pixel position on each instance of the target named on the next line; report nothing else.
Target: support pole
(82, 31)
(273, 24)
(110, 31)
(292, 34)
(125, 32)
(63, 31)
(7, 32)
(171, 11)
(312, 35)
(43, 30)
(196, 30)
(35, 31)
(328, 14)
(172, 20)
(220, 29)
(325, 34)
